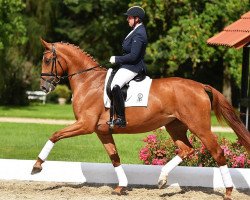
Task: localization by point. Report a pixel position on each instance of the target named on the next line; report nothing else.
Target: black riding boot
(119, 106)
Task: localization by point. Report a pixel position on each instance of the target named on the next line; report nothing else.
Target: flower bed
(158, 150)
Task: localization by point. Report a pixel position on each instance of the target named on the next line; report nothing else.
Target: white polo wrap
(170, 165)
(226, 177)
(46, 150)
(123, 181)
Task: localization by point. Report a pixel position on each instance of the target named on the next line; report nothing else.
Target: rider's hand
(112, 60)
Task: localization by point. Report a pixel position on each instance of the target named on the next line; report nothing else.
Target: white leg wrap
(226, 177)
(170, 166)
(123, 181)
(46, 150)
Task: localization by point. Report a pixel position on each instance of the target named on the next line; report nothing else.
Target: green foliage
(12, 29)
(179, 30)
(12, 36)
(62, 91)
(96, 26)
(177, 33)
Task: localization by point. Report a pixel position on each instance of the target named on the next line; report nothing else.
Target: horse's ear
(45, 44)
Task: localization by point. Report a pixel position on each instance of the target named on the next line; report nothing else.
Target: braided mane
(78, 49)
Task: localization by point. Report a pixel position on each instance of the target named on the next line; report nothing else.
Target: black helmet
(136, 11)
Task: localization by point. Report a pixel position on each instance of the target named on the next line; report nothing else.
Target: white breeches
(122, 77)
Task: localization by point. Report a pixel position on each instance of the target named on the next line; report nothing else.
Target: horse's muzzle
(47, 85)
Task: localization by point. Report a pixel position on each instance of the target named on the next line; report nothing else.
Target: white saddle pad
(137, 94)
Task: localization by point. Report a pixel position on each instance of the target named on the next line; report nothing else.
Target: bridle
(54, 71)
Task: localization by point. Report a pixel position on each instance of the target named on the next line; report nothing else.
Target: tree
(181, 31)
(12, 36)
(96, 26)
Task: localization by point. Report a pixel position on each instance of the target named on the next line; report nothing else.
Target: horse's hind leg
(109, 144)
(209, 139)
(178, 132)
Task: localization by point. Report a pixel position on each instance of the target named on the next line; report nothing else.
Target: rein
(80, 72)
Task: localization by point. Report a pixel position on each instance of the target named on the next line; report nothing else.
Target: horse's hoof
(119, 190)
(36, 170)
(162, 182)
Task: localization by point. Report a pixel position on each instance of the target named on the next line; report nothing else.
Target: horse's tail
(223, 110)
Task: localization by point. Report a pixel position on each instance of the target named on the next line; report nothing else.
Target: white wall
(77, 172)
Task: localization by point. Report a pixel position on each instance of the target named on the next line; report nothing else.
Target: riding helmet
(136, 11)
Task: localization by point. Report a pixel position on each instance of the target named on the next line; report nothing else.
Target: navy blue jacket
(134, 47)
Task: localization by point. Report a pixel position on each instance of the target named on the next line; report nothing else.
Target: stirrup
(111, 124)
(120, 122)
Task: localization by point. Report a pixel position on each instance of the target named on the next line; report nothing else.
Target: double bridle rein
(55, 77)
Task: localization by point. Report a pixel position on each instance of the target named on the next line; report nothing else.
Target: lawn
(25, 141)
(47, 111)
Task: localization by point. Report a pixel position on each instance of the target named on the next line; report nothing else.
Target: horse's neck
(92, 79)
(78, 61)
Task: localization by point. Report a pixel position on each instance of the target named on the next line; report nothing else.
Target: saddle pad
(137, 94)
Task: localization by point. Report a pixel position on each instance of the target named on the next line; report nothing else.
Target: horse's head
(53, 67)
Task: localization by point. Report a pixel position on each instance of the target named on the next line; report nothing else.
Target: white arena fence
(36, 95)
(102, 173)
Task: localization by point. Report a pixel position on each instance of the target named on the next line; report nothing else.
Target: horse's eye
(47, 61)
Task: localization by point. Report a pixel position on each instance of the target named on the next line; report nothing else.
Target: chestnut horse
(176, 103)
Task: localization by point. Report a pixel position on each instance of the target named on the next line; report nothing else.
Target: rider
(131, 62)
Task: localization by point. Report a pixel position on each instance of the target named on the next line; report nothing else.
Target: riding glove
(112, 60)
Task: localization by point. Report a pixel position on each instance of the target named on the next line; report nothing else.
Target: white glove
(112, 60)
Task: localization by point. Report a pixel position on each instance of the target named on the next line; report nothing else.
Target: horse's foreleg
(177, 131)
(70, 131)
(109, 144)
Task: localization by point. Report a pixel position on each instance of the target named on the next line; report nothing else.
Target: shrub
(158, 150)
(62, 91)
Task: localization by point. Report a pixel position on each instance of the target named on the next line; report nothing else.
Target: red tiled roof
(235, 35)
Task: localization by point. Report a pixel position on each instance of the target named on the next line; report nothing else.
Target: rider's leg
(119, 106)
(121, 77)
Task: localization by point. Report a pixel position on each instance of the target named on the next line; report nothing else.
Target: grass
(52, 111)
(25, 141)
(47, 111)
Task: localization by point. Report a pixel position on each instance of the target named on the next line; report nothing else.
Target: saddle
(139, 77)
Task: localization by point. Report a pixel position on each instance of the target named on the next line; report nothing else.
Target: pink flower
(156, 161)
(239, 161)
(226, 150)
(202, 149)
(151, 139)
(144, 154)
